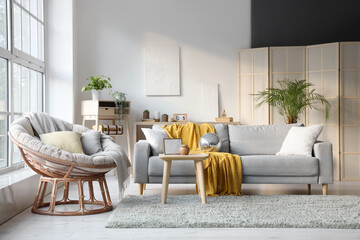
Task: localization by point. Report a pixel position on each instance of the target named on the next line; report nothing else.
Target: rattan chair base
(39, 203)
(54, 170)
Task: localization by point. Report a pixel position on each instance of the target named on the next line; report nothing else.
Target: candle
(157, 115)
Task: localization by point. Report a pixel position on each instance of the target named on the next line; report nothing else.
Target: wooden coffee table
(199, 171)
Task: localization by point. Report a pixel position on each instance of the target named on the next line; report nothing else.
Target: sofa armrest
(142, 154)
(323, 151)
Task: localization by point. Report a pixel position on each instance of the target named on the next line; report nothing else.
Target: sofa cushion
(222, 132)
(300, 140)
(90, 142)
(178, 167)
(65, 140)
(273, 165)
(257, 139)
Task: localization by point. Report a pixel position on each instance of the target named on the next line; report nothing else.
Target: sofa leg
(144, 186)
(324, 189)
(309, 189)
(141, 188)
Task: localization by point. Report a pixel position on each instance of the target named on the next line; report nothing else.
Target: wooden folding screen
(350, 110)
(322, 69)
(289, 63)
(254, 77)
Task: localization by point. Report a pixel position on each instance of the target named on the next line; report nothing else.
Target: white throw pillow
(158, 127)
(300, 140)
(155, 139)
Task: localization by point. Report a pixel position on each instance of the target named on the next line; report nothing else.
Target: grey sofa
(257, 145)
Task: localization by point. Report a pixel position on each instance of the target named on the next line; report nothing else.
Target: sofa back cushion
(222, 132)
(257, 139)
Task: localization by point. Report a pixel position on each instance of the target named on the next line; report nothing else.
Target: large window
(21, 69)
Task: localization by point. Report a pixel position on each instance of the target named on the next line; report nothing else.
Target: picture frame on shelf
(180, 117)
(172, 146)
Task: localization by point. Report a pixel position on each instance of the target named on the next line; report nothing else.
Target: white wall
(111, 36)
(59, 59)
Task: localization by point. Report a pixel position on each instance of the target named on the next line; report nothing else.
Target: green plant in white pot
(96, 85)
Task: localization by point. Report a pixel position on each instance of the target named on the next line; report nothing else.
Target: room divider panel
(285, 62)
(254, 77)
(322, 69)
(350, 114)
(334, 69)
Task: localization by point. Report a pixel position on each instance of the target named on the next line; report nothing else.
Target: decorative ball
(208, 141)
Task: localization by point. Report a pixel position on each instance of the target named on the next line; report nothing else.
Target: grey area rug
(285, 211)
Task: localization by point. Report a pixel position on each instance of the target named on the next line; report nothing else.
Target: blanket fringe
(124, 185)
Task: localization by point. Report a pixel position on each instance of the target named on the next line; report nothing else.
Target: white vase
(95, 94)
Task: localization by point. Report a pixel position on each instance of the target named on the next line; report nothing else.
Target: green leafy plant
(292, 98)
(97, 83)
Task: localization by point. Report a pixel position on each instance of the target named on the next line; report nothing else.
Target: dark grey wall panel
(304, 22)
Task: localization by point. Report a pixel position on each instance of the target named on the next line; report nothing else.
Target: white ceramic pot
(95, 94)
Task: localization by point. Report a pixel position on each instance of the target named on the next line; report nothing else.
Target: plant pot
(95, 94)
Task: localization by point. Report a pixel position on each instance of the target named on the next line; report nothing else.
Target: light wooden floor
(32, 226)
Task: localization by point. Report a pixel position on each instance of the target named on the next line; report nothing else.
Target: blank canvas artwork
(210, 101)
(162, 71)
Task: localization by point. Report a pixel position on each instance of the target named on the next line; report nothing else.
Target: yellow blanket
(223, 172)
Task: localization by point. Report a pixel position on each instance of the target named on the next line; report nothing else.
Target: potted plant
(292, 98)
(96, 85)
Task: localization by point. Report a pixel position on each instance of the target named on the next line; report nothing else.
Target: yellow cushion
(65, 140)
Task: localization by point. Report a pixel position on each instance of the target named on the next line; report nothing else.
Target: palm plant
(292, 98)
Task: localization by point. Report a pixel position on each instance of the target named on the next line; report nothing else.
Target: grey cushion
(90, 142)
(272, 165)
(174, 179)
(257, 139)
(280, 179)
(178, 167)
(222, 132)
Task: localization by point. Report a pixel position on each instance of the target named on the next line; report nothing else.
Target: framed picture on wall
(172, 145)
(180, 117)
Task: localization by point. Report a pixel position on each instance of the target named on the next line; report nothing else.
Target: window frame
(16, 56)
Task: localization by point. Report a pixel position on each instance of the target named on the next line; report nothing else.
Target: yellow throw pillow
(65, 140)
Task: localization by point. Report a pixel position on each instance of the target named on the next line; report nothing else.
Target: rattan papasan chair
(58, 166)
